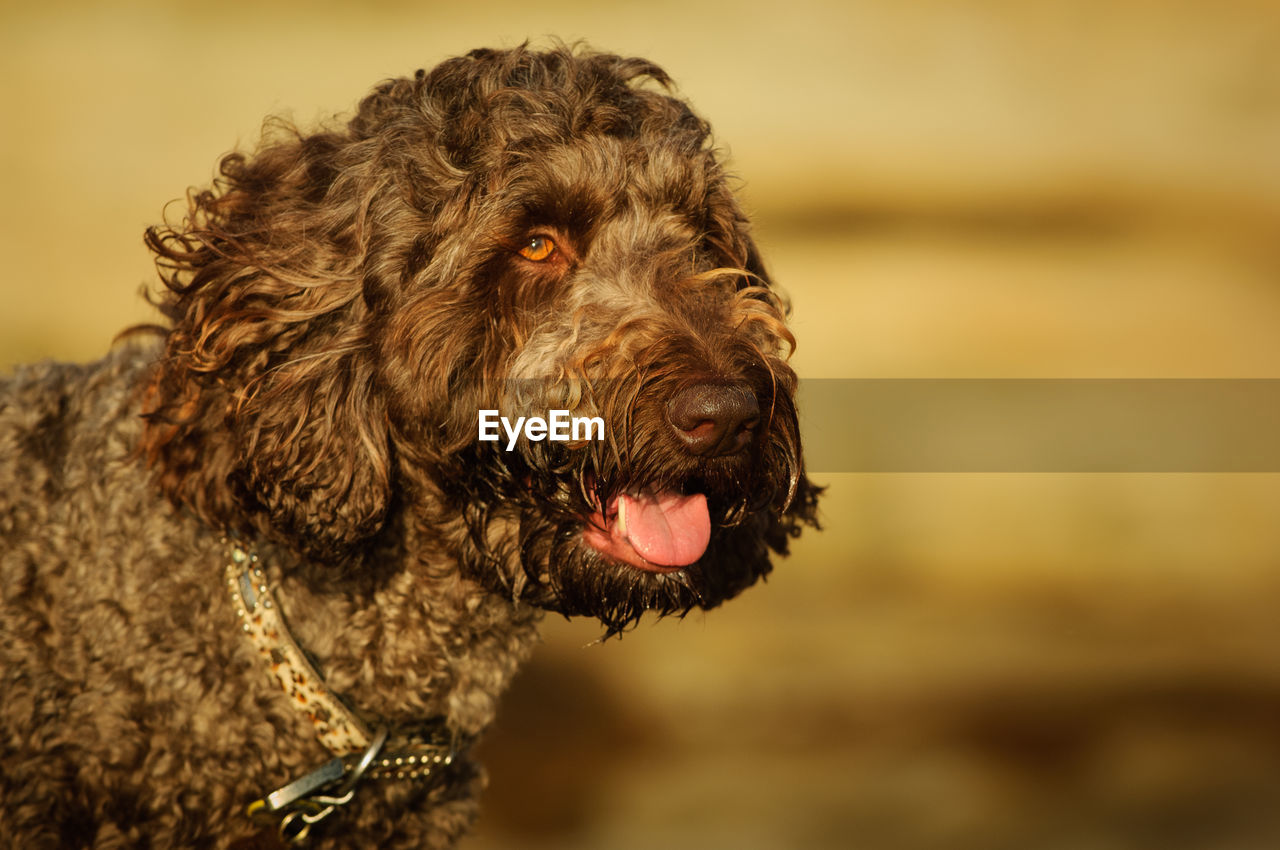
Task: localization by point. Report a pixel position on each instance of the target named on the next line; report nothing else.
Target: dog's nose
(713, 419)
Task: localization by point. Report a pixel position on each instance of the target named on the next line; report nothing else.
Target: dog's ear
(312, 450)
(754, 262)
(728, 235)
(264, 414)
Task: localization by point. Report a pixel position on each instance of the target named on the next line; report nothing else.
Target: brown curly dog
(502, 344)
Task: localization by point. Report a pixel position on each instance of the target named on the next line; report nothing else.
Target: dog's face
(539, 232)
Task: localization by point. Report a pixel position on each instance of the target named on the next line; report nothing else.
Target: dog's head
(517, 232)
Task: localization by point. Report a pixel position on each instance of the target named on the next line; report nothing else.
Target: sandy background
(977, 189)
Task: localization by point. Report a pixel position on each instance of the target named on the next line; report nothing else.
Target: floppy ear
(263, 414)
(728, 234)
(291, 441)
(754, 262)
(312, 451)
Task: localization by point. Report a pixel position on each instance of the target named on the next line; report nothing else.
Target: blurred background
(995, 188)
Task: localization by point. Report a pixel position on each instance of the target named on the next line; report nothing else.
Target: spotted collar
(358, 750)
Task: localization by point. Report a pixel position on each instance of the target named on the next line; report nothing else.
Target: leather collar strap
(341, 732)
(358, 752)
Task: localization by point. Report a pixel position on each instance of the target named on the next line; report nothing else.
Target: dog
(266, 568)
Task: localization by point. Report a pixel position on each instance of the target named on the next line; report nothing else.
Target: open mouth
(660, 532)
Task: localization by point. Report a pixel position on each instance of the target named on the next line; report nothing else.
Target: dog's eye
(538, 248)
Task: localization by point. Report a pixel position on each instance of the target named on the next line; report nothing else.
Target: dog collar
(358, 751)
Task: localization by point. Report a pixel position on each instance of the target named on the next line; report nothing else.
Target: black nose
(714, 419)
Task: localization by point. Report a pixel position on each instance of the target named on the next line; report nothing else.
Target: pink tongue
(667, 529)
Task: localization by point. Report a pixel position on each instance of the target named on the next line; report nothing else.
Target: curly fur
(340, 305)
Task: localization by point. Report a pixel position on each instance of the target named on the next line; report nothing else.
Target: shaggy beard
(527, 510)
(532, 548)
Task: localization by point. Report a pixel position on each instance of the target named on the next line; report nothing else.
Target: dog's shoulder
(36, 398)
(64, 426)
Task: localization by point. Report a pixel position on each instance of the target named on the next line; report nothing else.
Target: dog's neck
(411, 626)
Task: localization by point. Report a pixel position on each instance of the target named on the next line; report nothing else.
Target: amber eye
(538, 248)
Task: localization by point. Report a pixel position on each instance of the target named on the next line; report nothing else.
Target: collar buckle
(302, 800)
